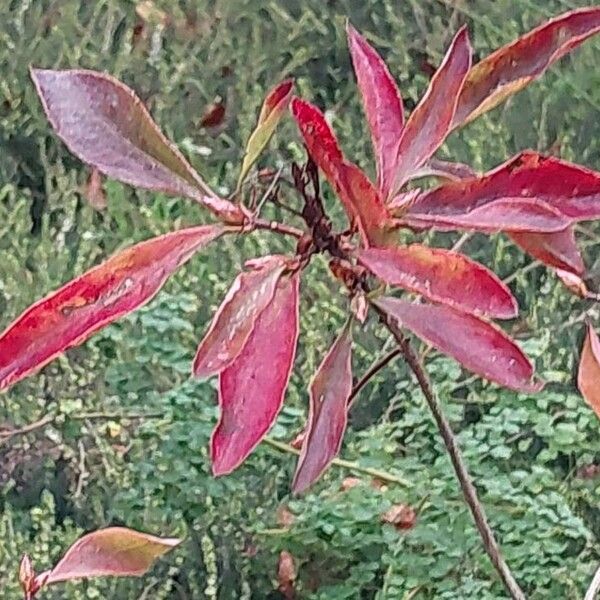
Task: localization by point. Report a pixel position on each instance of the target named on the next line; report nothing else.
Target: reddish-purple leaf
(442, 169)
(330, 391)
(442, 276)
(555, 249)
(536, 181)
(70, 315)
(359, 196)
(510, 68)
(273, 108)
(503, 214)
(250, 294)
(106, 125)
(252, 388)
(382, 104)
(115, 551)
(588, 377)
(574, 283)
(430, 122)
(476, 344)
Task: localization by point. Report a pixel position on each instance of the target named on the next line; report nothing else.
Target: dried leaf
(554, 249)
(251, 292)
(359, 196)
(106, 125)
(115, 551)
(430, 122)
(442, 276)
(401, 516)
(286, 575)
(588, 377)
(510, 68)
(252, 388)
(68, 316)
(476, 344)
(330, 391)
(382, 104)
(573, 282)
(94, 191)
(27, 577)
(273, 108)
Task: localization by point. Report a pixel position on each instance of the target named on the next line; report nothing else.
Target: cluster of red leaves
(251, 342)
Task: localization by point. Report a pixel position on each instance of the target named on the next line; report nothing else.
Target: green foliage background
(84, 471)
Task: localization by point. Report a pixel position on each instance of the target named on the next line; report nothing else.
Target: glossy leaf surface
(250, 294)
(382, 105)
(252, 388)
(359, 196)
(588, 377)
(510, 68)
(115, 551)
(430, 122)
(70, 315)
(474, 343)
(274, 107)
(534, 180)
(106, 125)
(554, 249)
(329, 391)
(442, 276)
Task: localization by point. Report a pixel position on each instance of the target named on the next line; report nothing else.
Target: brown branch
(470, 493)
(277, 228)
(371, 372)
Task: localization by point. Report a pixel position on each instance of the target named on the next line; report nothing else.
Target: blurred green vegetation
(90, 467)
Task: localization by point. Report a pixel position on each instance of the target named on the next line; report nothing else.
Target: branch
(592, 591)
(468, 489)
(371, 372)
(277, 228)
(345, 464)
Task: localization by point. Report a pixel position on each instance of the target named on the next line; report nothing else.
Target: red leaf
(476, 344)
(70, 315)
(250, 294)
(555, 249)
(382, 104)
(106, 125)
(503, 214)
(445, 170)
(568, 189)
(588, 377)
(273, 108)
(114, 551)
(252, 388)
(510, 68)
(330, 391)
(430, 122)
(442, 276)
(361, 200)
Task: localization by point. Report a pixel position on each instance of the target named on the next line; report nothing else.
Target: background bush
(90, 467)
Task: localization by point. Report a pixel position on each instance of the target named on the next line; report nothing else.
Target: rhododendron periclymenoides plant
(251, 343)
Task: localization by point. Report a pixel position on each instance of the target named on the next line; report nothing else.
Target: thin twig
(371, 372)
(592, 591)
(470, 493)
(277, 228)
(345, 464)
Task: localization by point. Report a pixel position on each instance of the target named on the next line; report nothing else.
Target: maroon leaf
(510, 68)
(588, 377)
(330, 391)
(555, 249)
(382, 104)
(430, 122)
(360, 198)
(529, 177)
(250, 294)
(115, 551)
(476, 344)
(442, 276)
(252, 388)
(106, 125)
(70, 315)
